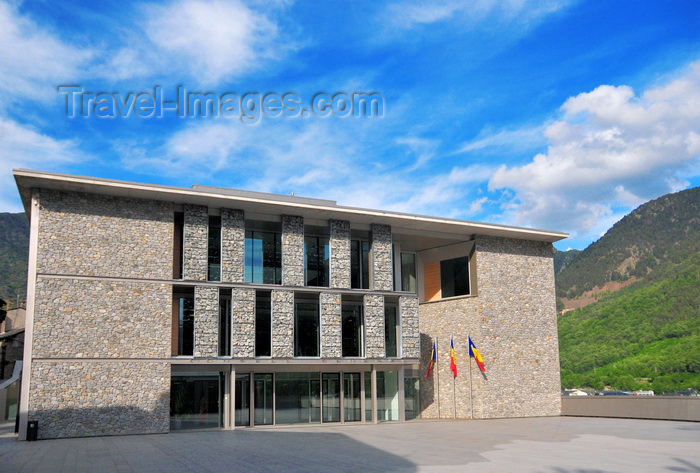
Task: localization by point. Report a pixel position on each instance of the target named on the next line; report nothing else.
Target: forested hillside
(646, 335)
(14, 249)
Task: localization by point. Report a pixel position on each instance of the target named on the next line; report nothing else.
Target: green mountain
(646, 335)
(562, 259)
(14, 252)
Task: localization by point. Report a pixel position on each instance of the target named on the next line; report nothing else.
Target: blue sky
(561, 115)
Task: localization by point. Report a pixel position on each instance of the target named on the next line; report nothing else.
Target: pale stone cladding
(410, 330)
(374, 326)
(243, 322)
(195, 243)
(292, 250)
(331, 328)
(206, 326)
(340, 253)
(382, 262)
(513, 323)
(92, 334)
(232, 245)
(282, 324)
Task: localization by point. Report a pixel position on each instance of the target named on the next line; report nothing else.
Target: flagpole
(454, 382)
(471, 398)
(437, 372)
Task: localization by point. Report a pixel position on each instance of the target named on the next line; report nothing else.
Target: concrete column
(340, 253)
(196, 232)
(381, 264)
(375, 416)
(282, 324)
(232, 245)
(206, 321)
(374, 326)
(410, 331)
(402, 395)
(331, 330)
(231, 418)
(242, 323)
(292, 250)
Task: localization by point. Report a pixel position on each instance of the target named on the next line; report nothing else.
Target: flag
(474, 353)
(453, 359)
(433, 360)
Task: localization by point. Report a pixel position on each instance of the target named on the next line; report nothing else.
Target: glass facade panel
(408, 272)
(263, 323)
(351, 397)
(214, 249)
(185, 326)
(195, 401)
(352, 330)
(391, 330)
(359, 264)
(387, 395)
(454, 277)
(263, 257)
(331, 397)
(242, 402)
(368, 396)
(263, 398)
(306, 329)
(317, 257)
(298, 398)
(411, 395)
(224, 324)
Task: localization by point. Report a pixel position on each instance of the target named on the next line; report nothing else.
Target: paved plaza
(554, 444)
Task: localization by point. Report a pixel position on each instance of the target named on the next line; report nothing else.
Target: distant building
(154, 308)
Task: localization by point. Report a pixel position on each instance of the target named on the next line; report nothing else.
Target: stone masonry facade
(340, 252)
(382, 262)
(374, 326)
(232, 245)
(410, 329)
(292, 250)
(206, 329)
(513, 324)
(243, 322)
(282, 324)
(331, 329)
(196, 242)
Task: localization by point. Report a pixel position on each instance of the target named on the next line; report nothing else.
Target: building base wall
(91, 398)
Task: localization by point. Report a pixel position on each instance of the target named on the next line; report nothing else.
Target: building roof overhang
(273, 204)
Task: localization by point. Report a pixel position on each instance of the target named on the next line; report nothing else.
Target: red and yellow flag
(474, 353)
(453, 359)
(433, 360)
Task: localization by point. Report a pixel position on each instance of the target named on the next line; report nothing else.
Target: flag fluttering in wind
(433, 360)
(453, 359)
(474, 353)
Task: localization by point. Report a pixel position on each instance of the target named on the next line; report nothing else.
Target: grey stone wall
(232, 245)
(76, 318)
(79, 399)
(331, 330)
(97, 235)
(206, 321)
(195, 254)
(243, 323)
(513, 323)
(374, 326)
(282, 324)
(410, 330)
(382, 266)
(292, 250)
(340, 253)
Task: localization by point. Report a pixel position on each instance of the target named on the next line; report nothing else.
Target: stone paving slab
(542, 445)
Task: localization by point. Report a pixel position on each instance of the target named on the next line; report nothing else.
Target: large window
(359, 264)
(454, 277)
(263, 257)
(352, 330)
(408, 272)
(263, 323)
(297, 398)
(391, 331)
(225, 322)
(183, 319)
(306, 329)
(317, 254)
(196, 401)
(214, 249)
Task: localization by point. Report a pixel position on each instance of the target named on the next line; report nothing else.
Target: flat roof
(274, 204)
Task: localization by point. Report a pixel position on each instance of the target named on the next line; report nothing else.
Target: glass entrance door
(351, 397)
(242, 407)
(331, 397)
(263, 398)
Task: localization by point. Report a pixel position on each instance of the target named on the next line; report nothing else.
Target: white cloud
(33, 60)
(610, 148)
(520, 139)
(24, 147)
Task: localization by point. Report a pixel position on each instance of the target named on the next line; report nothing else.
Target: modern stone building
(154, 308)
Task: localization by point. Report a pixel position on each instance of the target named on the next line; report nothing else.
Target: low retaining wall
(634, 407)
